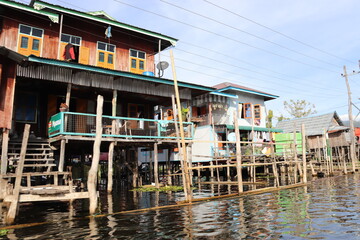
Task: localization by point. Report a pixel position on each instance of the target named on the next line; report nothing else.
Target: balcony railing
(82, 124)
(219, 119)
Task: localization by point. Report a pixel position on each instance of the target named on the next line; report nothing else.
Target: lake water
(327, 208)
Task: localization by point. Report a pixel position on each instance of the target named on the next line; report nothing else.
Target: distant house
(316, 127)
(214, 113)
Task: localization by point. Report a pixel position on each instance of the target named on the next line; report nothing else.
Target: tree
(299, 108)
(282, 118)
(269, 118)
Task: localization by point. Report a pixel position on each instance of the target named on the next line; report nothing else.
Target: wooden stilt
(168, 168)
(304, 153)
(211, 172)
(238, 155)
(4, 151)
(344, 160)
(62, 155)
(156, 165)
(92, 177)
(112, 145)
(19, 171)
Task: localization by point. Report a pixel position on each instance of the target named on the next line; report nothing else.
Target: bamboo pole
(187, 177)
(238, 155)
(11, 214)
(181, 158)
(92, 176)
(304, 153)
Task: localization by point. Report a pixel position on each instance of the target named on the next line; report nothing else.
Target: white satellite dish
(231, 137)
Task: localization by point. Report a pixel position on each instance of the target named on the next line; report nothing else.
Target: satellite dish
(162, 66)
(231, 137)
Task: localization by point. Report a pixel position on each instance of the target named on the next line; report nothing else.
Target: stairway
(39, 156)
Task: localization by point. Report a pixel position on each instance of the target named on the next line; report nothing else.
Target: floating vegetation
(4, 232)
(150, 188)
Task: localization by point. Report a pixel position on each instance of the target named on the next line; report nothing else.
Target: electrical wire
(278, 32)
(228, 38)
(248, 33)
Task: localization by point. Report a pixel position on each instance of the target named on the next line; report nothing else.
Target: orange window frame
(140, 63)
(106, 56)
(31, 40)
(247, 110)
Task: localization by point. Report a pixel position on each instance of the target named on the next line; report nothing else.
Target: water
(325, 209)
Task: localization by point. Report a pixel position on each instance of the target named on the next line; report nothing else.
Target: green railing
(83, 124)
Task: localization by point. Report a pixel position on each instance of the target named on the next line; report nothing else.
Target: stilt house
(55, 61)
(214, 115)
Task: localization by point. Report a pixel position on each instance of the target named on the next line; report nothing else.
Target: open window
(257, 111)
(137, 61)
(247, 110)
(71, 49)
(30, 40)
(106, 55)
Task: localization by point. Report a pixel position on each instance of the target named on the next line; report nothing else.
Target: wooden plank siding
(89, 32)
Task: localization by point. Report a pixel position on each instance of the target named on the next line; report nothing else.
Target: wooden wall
(89, 31)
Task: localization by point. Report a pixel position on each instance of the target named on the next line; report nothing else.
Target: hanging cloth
(69, 53)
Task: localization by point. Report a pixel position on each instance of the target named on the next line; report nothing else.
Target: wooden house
(318, 129)
(52, 56)
(214, 114)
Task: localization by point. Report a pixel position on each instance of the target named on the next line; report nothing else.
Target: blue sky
(294, 49)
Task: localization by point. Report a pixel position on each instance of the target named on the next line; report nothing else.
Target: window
(247, 110)
(105, 55)
(30, 40)
(257, 111)
(75, 40)
(137, 61)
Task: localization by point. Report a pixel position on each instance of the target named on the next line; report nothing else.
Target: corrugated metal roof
(314, 125)
(72, 65)
(53, 16)
(40, 5)
(235, 87)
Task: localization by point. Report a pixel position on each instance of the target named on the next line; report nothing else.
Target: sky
(293, 49)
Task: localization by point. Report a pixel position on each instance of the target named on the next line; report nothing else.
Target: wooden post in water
(11, 214)
(238, 155)
(344, 159)
(304, 153)
(294, 147)
(168, 168)
(112, 145)
(4, 150)
(187, 177)
(156, 165)
(92, 176)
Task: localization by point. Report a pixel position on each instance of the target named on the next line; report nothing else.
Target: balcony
(219, 119)
(82, 124)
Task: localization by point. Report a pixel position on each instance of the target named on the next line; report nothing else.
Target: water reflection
(326, 209)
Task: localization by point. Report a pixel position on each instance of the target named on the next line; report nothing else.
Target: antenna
(161, 66)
